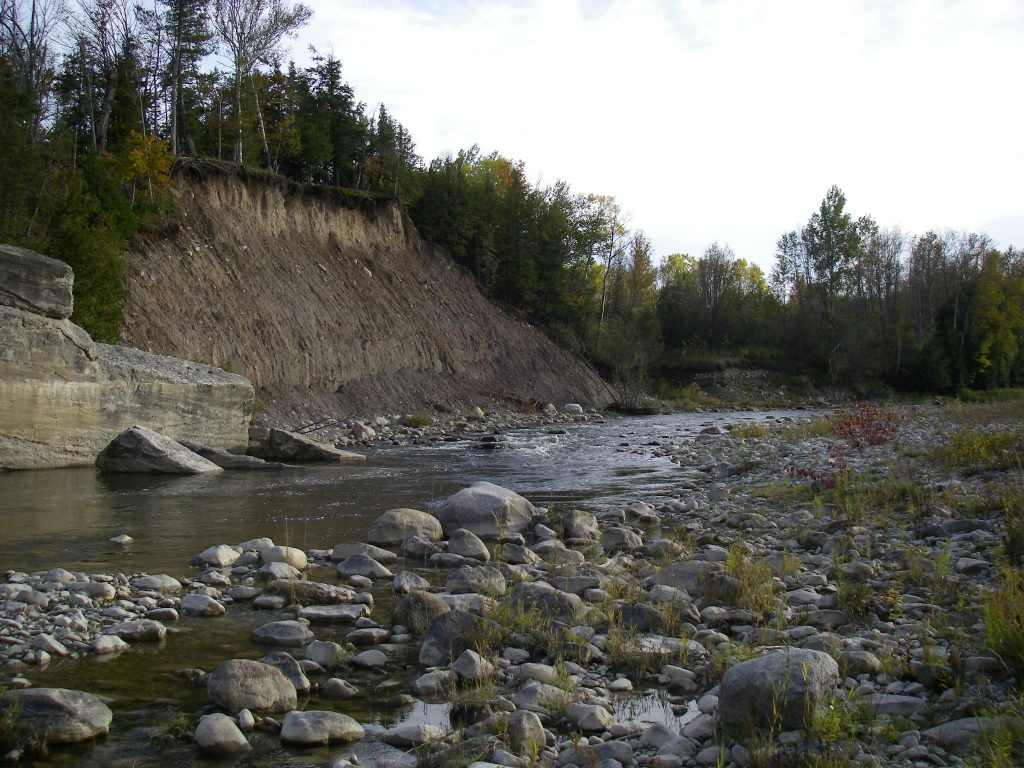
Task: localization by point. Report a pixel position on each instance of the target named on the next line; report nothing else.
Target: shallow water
(66, 517)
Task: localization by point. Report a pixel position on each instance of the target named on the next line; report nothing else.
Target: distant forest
(98, 98)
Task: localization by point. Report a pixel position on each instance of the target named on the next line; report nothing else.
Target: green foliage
(1003, 613)
(754, 589)
(981, 448)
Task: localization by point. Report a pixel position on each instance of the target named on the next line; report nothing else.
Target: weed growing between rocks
(1003, 612)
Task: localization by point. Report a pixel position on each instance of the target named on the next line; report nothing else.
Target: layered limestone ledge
(63, 397)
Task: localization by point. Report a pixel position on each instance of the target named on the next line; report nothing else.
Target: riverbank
(872, 539)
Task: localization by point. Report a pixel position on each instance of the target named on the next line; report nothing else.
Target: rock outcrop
(331, 304)
(65, 396)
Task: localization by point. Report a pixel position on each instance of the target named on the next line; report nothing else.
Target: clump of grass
(754, 589)
(753, 430)
(978, 448)
(1003, 615)
(417, 420)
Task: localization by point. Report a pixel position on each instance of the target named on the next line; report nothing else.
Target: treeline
(98, 98)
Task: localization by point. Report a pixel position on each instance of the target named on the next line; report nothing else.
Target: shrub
(1003, 612)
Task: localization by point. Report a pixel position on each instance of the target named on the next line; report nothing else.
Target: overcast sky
(710, 120)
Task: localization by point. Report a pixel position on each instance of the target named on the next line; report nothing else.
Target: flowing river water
(65, 518)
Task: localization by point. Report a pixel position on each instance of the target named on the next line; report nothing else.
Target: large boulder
(779, 690)
(245, 684)
(273, 444)
(545, 601)
(58, 715)
(319, 728)
(451, 633)
(416, 610)
(396, 525)
(473, 579)
(485, 509)
(35, 283)
(693, 576)
(140, 449)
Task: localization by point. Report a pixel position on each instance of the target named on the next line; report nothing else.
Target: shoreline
(849, 540)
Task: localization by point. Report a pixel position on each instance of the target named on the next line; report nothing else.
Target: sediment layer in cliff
(331, 305)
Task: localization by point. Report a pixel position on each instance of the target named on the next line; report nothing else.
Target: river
(66, 518)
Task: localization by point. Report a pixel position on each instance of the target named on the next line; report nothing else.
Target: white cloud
(714, 120)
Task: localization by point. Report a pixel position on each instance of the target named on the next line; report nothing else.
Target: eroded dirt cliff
(331, 306)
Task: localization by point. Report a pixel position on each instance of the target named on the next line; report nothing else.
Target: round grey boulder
(778, 690)
(58, 715)
(525, 732)
(318, 728)
(545, 600)
(290, 668)
(470, 579)
(450, 634)
(468, 544)
(417, 610)
(294, 557)
(218, 735)
(291, 634)
(396, 525)
(347, 548)
(485, 509)
(245, 684)
(219, 556)
(411, 734)
(326, 653)
(138, 630)
(200, 605)
(362, 565)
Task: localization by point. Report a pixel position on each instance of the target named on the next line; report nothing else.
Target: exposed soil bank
(331, 306)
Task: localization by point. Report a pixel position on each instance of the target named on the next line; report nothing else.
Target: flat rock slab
(227, 460)
(35, 283)
(140, 449)
(273, 444)
(334, 614)
(59, 715)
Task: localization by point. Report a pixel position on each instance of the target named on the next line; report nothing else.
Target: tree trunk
(262, 127)
(238, 114)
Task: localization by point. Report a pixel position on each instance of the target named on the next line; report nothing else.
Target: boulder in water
(140, 449)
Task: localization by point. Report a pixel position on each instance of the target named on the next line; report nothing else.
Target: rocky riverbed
(813, 593)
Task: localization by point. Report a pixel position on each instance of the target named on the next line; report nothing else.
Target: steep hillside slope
(331, 305)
